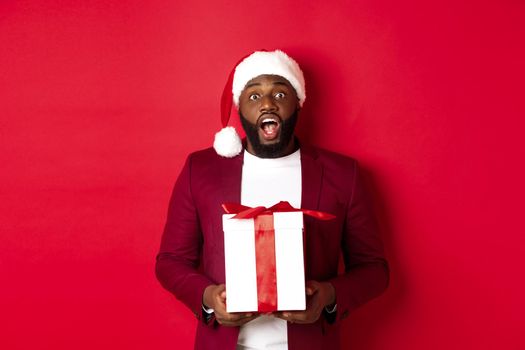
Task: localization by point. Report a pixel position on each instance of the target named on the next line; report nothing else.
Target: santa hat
(227, 142)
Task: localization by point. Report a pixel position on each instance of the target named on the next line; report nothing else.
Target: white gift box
(241, 267)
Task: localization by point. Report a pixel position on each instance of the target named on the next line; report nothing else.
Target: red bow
(244, 212)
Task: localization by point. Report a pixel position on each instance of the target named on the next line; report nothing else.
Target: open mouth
(269, 126)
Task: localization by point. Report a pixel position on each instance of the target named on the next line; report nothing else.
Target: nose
(267, 104)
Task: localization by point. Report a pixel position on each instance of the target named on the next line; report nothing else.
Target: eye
(253, 97)
(280, 95)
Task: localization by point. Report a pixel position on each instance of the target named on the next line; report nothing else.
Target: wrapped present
(264, 260)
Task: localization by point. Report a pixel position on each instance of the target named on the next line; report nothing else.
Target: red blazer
(191, 255)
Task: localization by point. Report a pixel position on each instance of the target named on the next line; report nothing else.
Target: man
(270, 166)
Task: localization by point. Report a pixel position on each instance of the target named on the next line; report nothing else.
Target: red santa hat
(227, 142)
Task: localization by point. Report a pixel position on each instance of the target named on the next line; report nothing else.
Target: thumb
(221, 291)
(311, 288)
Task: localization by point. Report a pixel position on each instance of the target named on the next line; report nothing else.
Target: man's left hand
(319, 295)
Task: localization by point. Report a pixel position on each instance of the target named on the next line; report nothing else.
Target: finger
(294, 313)
(289, 316)
(293, 317)
(247, 319)
(310, 315)
(236, 319)
(280, 315)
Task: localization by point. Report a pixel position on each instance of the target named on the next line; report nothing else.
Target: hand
(215, 297)
(319, 295)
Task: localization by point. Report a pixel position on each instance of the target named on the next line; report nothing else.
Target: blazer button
(344, 315)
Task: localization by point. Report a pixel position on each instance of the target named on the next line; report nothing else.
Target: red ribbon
(265, 246)
(265, 264)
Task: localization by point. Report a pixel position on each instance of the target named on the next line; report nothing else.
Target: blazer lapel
(311, 175)
(231, 173)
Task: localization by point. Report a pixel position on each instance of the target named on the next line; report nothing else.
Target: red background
(101, 101)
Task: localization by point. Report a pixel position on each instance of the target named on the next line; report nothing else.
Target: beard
(274, 150)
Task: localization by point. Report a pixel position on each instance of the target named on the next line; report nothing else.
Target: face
(268, 107)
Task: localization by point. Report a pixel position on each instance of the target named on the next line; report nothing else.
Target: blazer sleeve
(366, 269)
(177, 265)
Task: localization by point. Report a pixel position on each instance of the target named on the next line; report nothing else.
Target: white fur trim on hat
(227, 142)
(274, 63)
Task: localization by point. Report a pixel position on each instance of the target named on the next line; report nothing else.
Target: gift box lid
(281, 220)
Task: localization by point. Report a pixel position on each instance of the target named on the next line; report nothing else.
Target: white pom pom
(227, 142)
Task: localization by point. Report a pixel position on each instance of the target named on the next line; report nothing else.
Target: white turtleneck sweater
(266, 181)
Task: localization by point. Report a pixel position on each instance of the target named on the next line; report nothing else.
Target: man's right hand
(215, 297)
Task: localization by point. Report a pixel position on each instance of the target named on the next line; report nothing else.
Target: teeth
(269, 120)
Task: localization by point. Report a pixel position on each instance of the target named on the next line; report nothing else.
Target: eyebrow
(274, 83)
